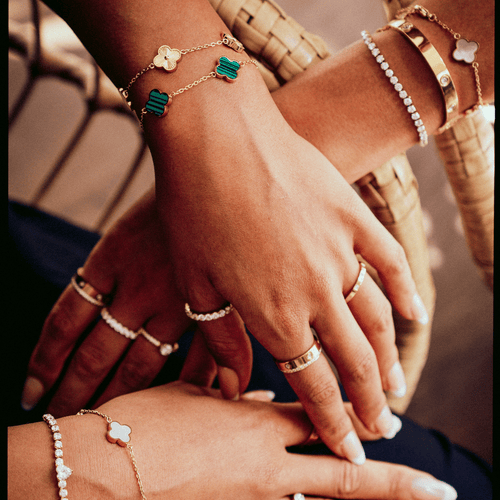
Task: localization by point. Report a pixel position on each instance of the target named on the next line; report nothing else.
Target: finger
(336, 478)
(373, 313)
(67, 320)
(387, 256)
(319, 393)
(296, 428)
(93, 360)
(145, 358)
(199, 367)
(230, 346)
(355, 360)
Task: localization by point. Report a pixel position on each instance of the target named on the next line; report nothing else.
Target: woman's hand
(129, 262)
(257, 217)
(189, 443)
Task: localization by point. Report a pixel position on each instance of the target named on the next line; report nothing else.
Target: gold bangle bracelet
(437, 66)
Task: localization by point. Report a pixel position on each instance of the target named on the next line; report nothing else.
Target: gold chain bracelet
(167, 58)
(465, 51)
(159, 102)
(119, 434)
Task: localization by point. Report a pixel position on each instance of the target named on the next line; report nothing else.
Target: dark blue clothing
(44, 252)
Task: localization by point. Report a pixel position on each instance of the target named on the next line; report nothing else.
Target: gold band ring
(208, 316)
(359, 281)
(87, 291)
(165, 349)
(117, 326)
(301, 362)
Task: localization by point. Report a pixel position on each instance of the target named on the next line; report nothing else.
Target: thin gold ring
(301, 362)
(165, 349)
(208, 316)
(359, 281)
(87, 291)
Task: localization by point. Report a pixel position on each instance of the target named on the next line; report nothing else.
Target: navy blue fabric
(43, 254)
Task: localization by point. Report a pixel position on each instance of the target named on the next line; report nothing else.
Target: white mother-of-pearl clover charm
(118, 433)
(167, 58)
(465, 51)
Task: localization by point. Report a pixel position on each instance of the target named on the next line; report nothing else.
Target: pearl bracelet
(398, 87)
(62, 471)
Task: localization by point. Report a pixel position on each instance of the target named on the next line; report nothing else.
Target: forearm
(347, 108)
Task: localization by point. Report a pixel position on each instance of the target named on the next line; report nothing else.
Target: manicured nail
(32, 393)
(265, 396)
(420, 311)
(397, 381)
(353, 449)
(388, 424)
(435, 488)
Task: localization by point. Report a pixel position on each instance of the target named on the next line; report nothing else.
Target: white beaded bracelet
(398, 87)
(62, 471)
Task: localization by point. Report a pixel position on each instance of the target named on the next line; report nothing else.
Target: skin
(234, 184)
(250, 435)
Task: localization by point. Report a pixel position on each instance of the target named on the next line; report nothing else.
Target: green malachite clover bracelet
(167, 58)
(225, 69)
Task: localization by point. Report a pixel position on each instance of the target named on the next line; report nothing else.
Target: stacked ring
(208, 316)
(301, 362)
(359, 281)
(165, 349)
(87, 291)
(117, 326)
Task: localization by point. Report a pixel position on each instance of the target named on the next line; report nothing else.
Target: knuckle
(350, 479)
(135, 374)
(363, 370)
(383, 322)
(90, 362)
(397, 263)
(322, 393)
(59, 324)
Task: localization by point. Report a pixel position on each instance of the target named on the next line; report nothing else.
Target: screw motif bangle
(62, 471)
(465, 51)
(120, 434)
(167, 58)
(398, 87)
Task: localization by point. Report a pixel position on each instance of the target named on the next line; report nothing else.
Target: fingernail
(420, 311)
(353, 449)
(431, 486)
(32, 393)
(388, 424)
(265, 396)
(397, 381)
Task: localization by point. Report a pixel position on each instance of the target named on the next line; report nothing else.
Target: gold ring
(359, 281)
(165, 349)
(208, 316)
(301, 362)
(87, 291)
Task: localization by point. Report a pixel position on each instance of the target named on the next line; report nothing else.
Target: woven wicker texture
(467, 151)
(284, 49)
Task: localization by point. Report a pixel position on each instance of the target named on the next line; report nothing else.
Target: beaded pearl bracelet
(62, 470)
(398, 87)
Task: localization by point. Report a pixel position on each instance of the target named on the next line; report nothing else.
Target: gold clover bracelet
(159, 102)
(167, 58)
